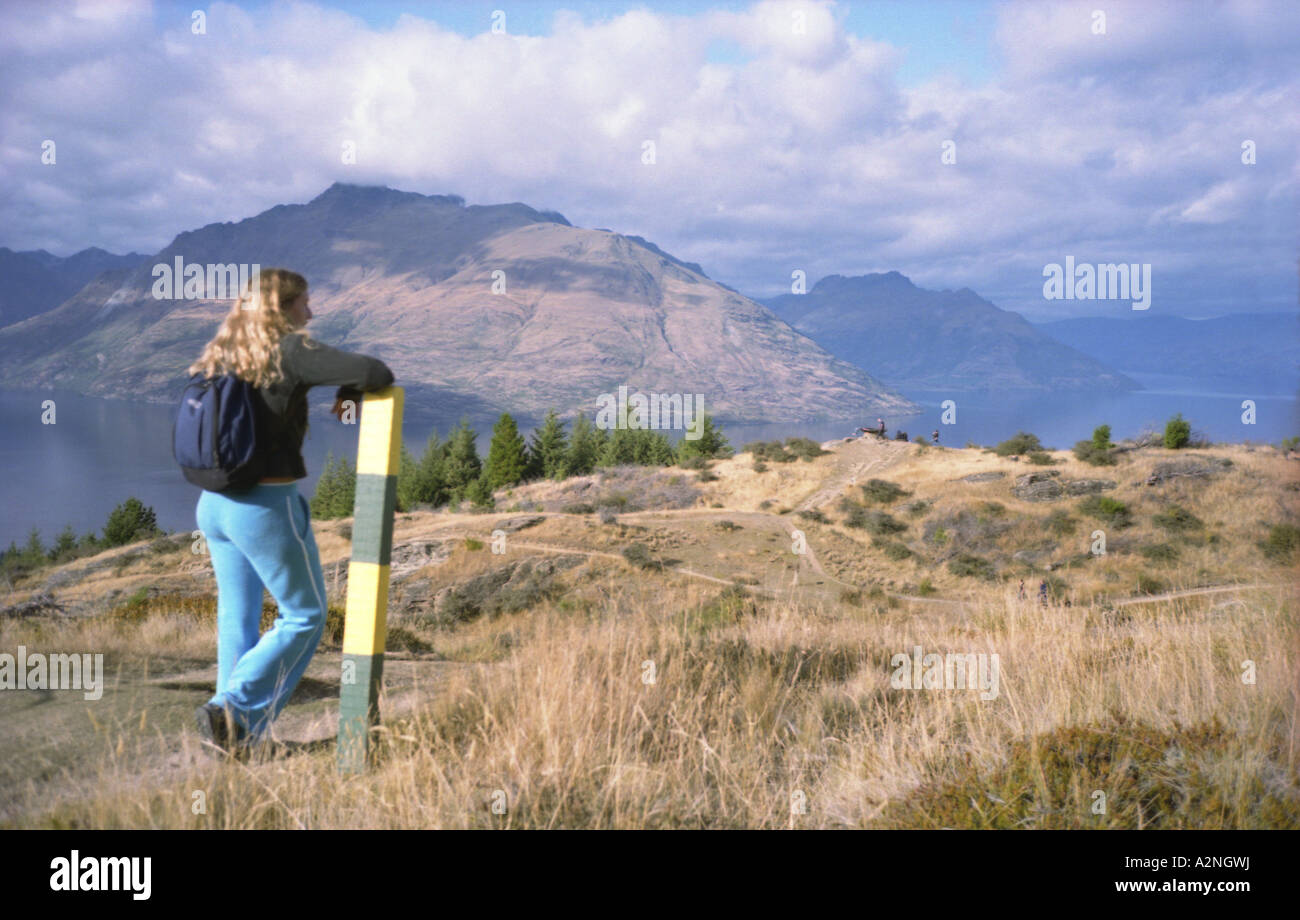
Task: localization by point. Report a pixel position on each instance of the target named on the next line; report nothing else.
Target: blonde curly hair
(248, 342)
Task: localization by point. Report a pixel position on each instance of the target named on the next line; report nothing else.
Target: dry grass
(776, 709)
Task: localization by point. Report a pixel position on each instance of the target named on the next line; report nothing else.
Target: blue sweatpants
(262, 537)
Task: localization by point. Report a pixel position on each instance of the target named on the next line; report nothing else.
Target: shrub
(1282, 542)
(1178, 431)
(876, 523)
(892, 548)
(639, 555)
(804, 448)
(882, 492)
(1040, 458)
(1060, 523)
(1177, 518)
(578, 508)
(1099, 451)
(918, 507)
(1149, 585)
(1160, 552)
(1021, 443)
(925, 588)
(793, 449)
(130, 521)
(473, 545)
(970, 566)
(1104, 508)
(814, 515)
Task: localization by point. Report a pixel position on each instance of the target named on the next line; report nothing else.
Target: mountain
(1245, 350)
(36, 281)
(912, 338)
(409, 278)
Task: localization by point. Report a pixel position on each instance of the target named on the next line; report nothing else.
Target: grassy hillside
(648, 651)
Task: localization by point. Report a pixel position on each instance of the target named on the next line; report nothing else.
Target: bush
(1060, 523)
(1160, 552)
(578, 508)
(1022, 443)
(882, 492)
(473, 545)
(1178, 432)
(1149, 585)
(876, 523)
(1104, 508)
(1040, 458)
(925, 588)
(892, 548)
(972, 567)
(1282, 542)
(1099, 451)
(639, 555)
(130, 521)
(793, 449)
(1177, 519)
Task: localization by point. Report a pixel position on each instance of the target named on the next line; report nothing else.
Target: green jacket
(305, 365)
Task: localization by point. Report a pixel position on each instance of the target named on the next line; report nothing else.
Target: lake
(102, 451)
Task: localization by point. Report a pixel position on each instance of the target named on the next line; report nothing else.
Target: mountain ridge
(921, 339)
(413, 280)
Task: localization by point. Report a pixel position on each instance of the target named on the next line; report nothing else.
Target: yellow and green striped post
(365, 627)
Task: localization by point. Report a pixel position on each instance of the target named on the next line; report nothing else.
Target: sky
(964, 144)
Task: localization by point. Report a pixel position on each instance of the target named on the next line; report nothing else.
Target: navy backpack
(219, 434)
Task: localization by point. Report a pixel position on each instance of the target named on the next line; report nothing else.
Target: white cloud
(806, 154)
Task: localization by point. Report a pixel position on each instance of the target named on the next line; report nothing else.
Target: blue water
(102, 451)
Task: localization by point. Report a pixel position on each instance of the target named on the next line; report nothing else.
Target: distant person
(1042, 591)
(263, 536)
(1022, 589)
(880, 427)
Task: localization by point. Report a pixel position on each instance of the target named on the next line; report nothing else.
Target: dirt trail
(855, 461)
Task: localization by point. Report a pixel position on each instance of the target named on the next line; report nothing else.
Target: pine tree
(462, 465)
(506, 461)
(479, 492)
(547, 452)
(346, 495)
(585, 446)
(430, 478)
(407, 470)
(64, 543)
(34, 551)
(322, 500)
(711, 442)
(132, 520)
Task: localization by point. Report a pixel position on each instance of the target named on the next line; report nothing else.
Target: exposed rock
(1089, 486)
(1045, 487)
(40, 603)
(983, 477)
(1198, 466)
(515, 586)
(406, 559)
(1037, 487)
(512, 525)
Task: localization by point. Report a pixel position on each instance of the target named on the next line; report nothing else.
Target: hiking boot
(217, 725)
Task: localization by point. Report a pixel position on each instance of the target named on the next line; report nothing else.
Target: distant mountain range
(916, 339)
(410, 279)
(1244, 350)
(36, 281)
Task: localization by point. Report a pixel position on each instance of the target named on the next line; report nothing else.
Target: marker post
(365, 627)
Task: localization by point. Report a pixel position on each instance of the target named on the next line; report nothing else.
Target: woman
(263, 536)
